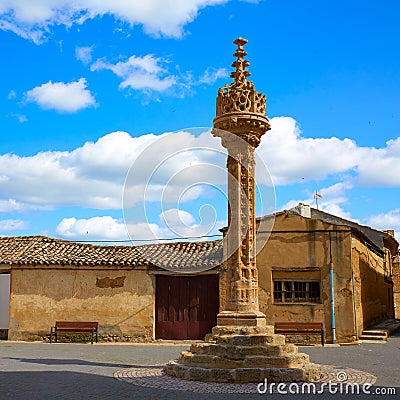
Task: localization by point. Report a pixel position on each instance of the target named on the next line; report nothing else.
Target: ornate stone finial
(241, 110)
(240, 64)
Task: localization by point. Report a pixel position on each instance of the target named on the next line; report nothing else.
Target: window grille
(297, 292)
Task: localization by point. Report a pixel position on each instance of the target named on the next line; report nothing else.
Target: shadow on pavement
(59, 361)
(80, 386)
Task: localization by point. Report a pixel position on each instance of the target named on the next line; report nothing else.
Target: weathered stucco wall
(4, 300)
(299, 250)
(396, 286)
(122, 301)
(373, 288)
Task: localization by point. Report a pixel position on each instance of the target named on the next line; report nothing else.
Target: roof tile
(41, 250)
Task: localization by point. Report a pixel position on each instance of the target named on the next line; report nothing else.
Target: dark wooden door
(186, 306)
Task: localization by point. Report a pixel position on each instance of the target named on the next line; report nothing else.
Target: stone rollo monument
(242, 347)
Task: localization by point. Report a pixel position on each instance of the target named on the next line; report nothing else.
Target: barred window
(297, 292)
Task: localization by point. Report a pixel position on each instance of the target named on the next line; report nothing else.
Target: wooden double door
(186, 306)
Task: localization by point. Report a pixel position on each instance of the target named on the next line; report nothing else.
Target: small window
(297, 292)
(314, 292)
(278, 292)
(300, 289)
(288, 292)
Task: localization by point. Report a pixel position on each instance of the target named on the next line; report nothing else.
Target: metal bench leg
(53, 334)
(323, 336)
(92, 334)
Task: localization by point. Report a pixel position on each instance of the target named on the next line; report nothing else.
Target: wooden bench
(301, 328)
(73, 327)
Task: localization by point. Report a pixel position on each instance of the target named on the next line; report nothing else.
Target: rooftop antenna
(316, 197)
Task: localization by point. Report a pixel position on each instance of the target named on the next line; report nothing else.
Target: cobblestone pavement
(34, 371)
(155, 377)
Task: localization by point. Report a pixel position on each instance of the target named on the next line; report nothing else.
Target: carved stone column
(242, 348)
(240, 122)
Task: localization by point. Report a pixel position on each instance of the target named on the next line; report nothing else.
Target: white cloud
(140, 73)
(152, 74)
(109, 228)
(84, 54)
(177, 217)
(33, 19)
(63, 97)
(211, 75)
(332, 200)
(291, 157)
(20, 117)
(12, 224)
(384, 221)
(44, 181)
(109, 158)
(12, 95)
(26, 31)
(93, 175)
(104, 227)
(380, 167)
(174, 169)
(11, 205)
(181, 223)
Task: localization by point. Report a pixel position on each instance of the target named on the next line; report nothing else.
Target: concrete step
(373, 337)
(375, 333)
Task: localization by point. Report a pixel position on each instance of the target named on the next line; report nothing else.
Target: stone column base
(311, 372)
(243, 354)
(232, 318)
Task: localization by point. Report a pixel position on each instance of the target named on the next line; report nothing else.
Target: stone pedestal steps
(249, 356)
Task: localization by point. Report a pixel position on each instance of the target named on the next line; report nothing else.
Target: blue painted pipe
(332, 304)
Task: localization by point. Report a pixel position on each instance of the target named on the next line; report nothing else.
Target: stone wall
(373, 286)
(396, 285)
(122, 301)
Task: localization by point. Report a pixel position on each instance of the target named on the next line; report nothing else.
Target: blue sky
(87, 93)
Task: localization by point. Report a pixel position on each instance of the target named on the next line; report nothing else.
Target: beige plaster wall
(396, 287)
(300, 255)
(374, 293)
(122, 301)
(4, 300)
(305, 256)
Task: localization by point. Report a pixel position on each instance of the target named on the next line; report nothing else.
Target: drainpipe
(354, 302)
(332, 290)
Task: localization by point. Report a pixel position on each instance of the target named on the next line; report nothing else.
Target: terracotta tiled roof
(188, 256)
(41, 250)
